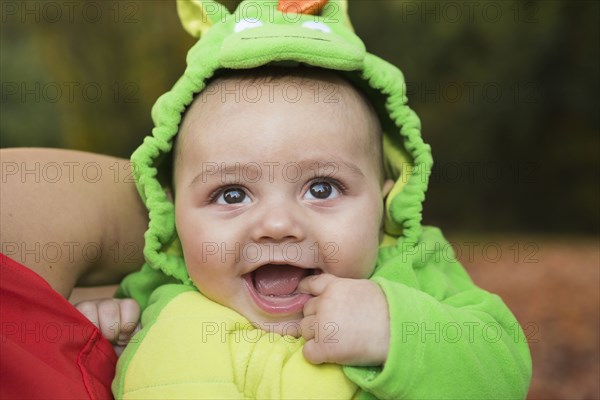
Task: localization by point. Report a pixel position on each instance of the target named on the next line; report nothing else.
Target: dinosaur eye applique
(317, 26)
(247, 23)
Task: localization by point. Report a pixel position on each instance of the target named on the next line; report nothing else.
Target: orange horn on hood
(311, 7)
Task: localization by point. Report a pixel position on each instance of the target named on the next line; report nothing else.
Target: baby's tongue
(278, 280)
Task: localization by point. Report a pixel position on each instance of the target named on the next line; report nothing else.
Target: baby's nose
(278, 224)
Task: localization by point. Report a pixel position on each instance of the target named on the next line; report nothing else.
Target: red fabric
(49, 349)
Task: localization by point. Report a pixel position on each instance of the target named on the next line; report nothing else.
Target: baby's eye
(233, 195)
(321, 191)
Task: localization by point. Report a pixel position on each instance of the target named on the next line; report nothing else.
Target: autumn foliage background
(507, 92)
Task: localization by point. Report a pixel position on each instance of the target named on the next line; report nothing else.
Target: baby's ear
(387, 187)
(169, 194)
(197, 16)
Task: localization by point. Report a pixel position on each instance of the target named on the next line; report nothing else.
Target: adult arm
(74, 218)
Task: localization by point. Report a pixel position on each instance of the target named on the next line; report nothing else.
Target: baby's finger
(130, 316)
(310, 307)
(90, 311)
(315, 284)
(118, 349)
(307, 326)
(313, 353)
(110, 320)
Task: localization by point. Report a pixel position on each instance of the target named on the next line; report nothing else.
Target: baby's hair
(303, 76)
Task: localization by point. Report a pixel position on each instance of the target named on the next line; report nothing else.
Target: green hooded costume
(449, 339)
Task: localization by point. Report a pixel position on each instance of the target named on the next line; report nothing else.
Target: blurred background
(507, 92)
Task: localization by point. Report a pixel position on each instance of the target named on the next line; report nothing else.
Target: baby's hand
(347, 322)
(117, 319)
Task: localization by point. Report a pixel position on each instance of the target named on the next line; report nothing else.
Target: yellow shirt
(199, 349)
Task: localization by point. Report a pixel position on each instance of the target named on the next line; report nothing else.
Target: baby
(279, 210)
(297, 206)
(274, 199)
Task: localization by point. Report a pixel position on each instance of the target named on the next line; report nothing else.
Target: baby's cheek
(352, 264)
(197, 248)
(204, 282)
(202, 267)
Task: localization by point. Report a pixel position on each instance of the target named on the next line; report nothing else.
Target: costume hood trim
(259, 33)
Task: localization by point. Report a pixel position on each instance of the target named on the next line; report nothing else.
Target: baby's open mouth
(278, 280)
(274, 287)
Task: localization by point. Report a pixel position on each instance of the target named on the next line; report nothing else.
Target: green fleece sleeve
(449, 338)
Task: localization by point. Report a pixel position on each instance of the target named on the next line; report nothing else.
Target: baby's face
(271, 191)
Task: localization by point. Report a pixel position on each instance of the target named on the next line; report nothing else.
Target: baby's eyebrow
(325, 167)
(218, 170)
(330, 166)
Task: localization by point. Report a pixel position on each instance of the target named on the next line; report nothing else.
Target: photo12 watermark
(264, 253)
(47, 332)
(272, 11)
(473, 92)
(71, 252)
(66, 172)
(251, 332)
(267, 171)
(54, 12)
(474, 172)
(271, 91)
(70, 92)
(471, 250)
(454, 12)
(469, 331)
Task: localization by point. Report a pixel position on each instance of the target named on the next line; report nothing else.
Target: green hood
(257, 34)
